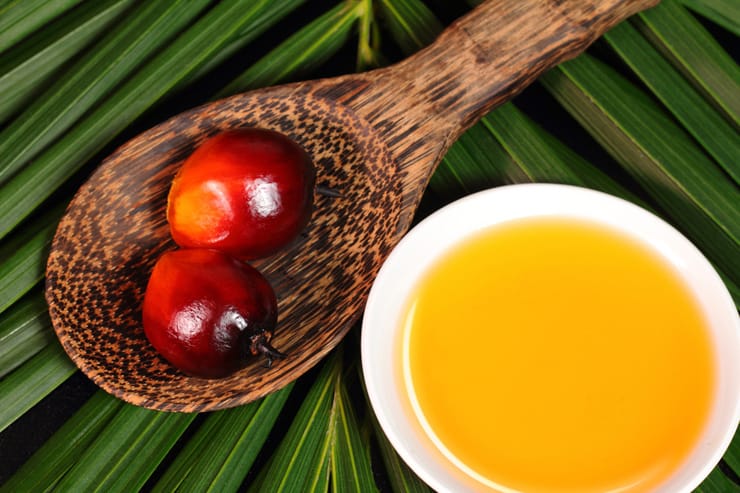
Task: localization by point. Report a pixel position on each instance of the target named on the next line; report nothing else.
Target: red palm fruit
(246, 192)
(207, 312)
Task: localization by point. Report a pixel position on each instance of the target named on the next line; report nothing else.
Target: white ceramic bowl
(423, 245)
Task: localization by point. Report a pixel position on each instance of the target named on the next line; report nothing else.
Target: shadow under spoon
(376, 137)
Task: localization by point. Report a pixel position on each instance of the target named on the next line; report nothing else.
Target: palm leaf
(717, 482)
(475, 162)
(26, 386)
(686, 43)
(219, 456)
(303, 52)
(543, 158)
(126, 451)
(26, 67)
(301, 462)
(218, 28)
(658, 154)
(410, 22)
(724, 13)
(52, 461)
(226, 24)
(368, 54)
(732, 457)
(324, 445)
(714, 133)
(24, 257)
(400, 476)
(24, 331)
(19, 18)
(115, 58)
(350, 458)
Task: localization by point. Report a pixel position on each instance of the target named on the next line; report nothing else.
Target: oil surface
(556, 355)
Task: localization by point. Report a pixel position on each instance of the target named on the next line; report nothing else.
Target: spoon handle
(502, 46)
(421, 105)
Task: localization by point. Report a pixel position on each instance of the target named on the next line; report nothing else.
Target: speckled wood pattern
(115, 229)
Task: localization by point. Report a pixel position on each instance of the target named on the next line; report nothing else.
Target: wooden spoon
(376, 137)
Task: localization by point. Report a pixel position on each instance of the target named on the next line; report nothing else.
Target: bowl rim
(431, 237)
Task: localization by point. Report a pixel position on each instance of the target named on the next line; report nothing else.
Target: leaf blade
(116, 56)
(25, 330)
(716, 482)
(33, 184)
(301, 461)
(401, 477)
(350, 460)
(51, 462)
(34, 380)
(27, 67)
(223, 449)
(689, 188)
(19, 19)
(410, 22)
(684, 41)
(126, 451)
(545, 159)
(25, 257)
(725, 13)
(302, 52)
(711, 130)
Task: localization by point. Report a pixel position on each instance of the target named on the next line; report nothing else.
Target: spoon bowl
(374, 137)
(115, 229)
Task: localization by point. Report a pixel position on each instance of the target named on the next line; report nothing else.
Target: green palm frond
(724, 13)
(219, 455)
(28, 65)
(32, 381)
(24, 331)
(18, 19)
(653, 115)
(57, 456)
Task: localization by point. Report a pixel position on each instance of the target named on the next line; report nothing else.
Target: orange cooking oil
(551, 355)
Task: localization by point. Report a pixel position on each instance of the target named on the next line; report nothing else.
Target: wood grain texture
(376, 137)
(421, 105)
